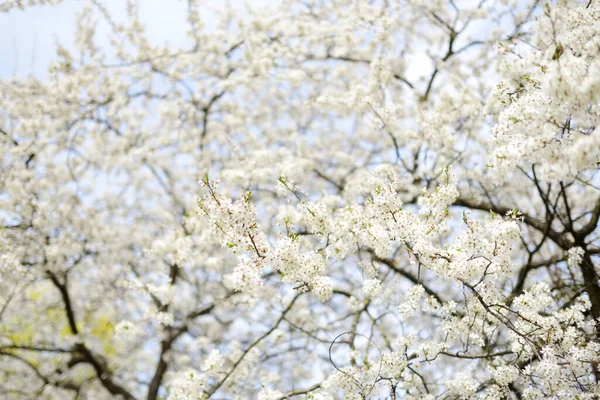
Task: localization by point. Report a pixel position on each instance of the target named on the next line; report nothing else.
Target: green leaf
(558, 52)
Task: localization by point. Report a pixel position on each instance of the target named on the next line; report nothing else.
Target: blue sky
(28, 38)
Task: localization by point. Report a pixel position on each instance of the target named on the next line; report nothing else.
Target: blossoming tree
(324, 199)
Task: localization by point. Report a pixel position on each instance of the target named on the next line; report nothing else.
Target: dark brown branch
(66, 300)
(162, 366)
(592, 224)
(102, 372)
(300, 392)
(254, 344)
(46, 381)
(559, 238)
(393, 266)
